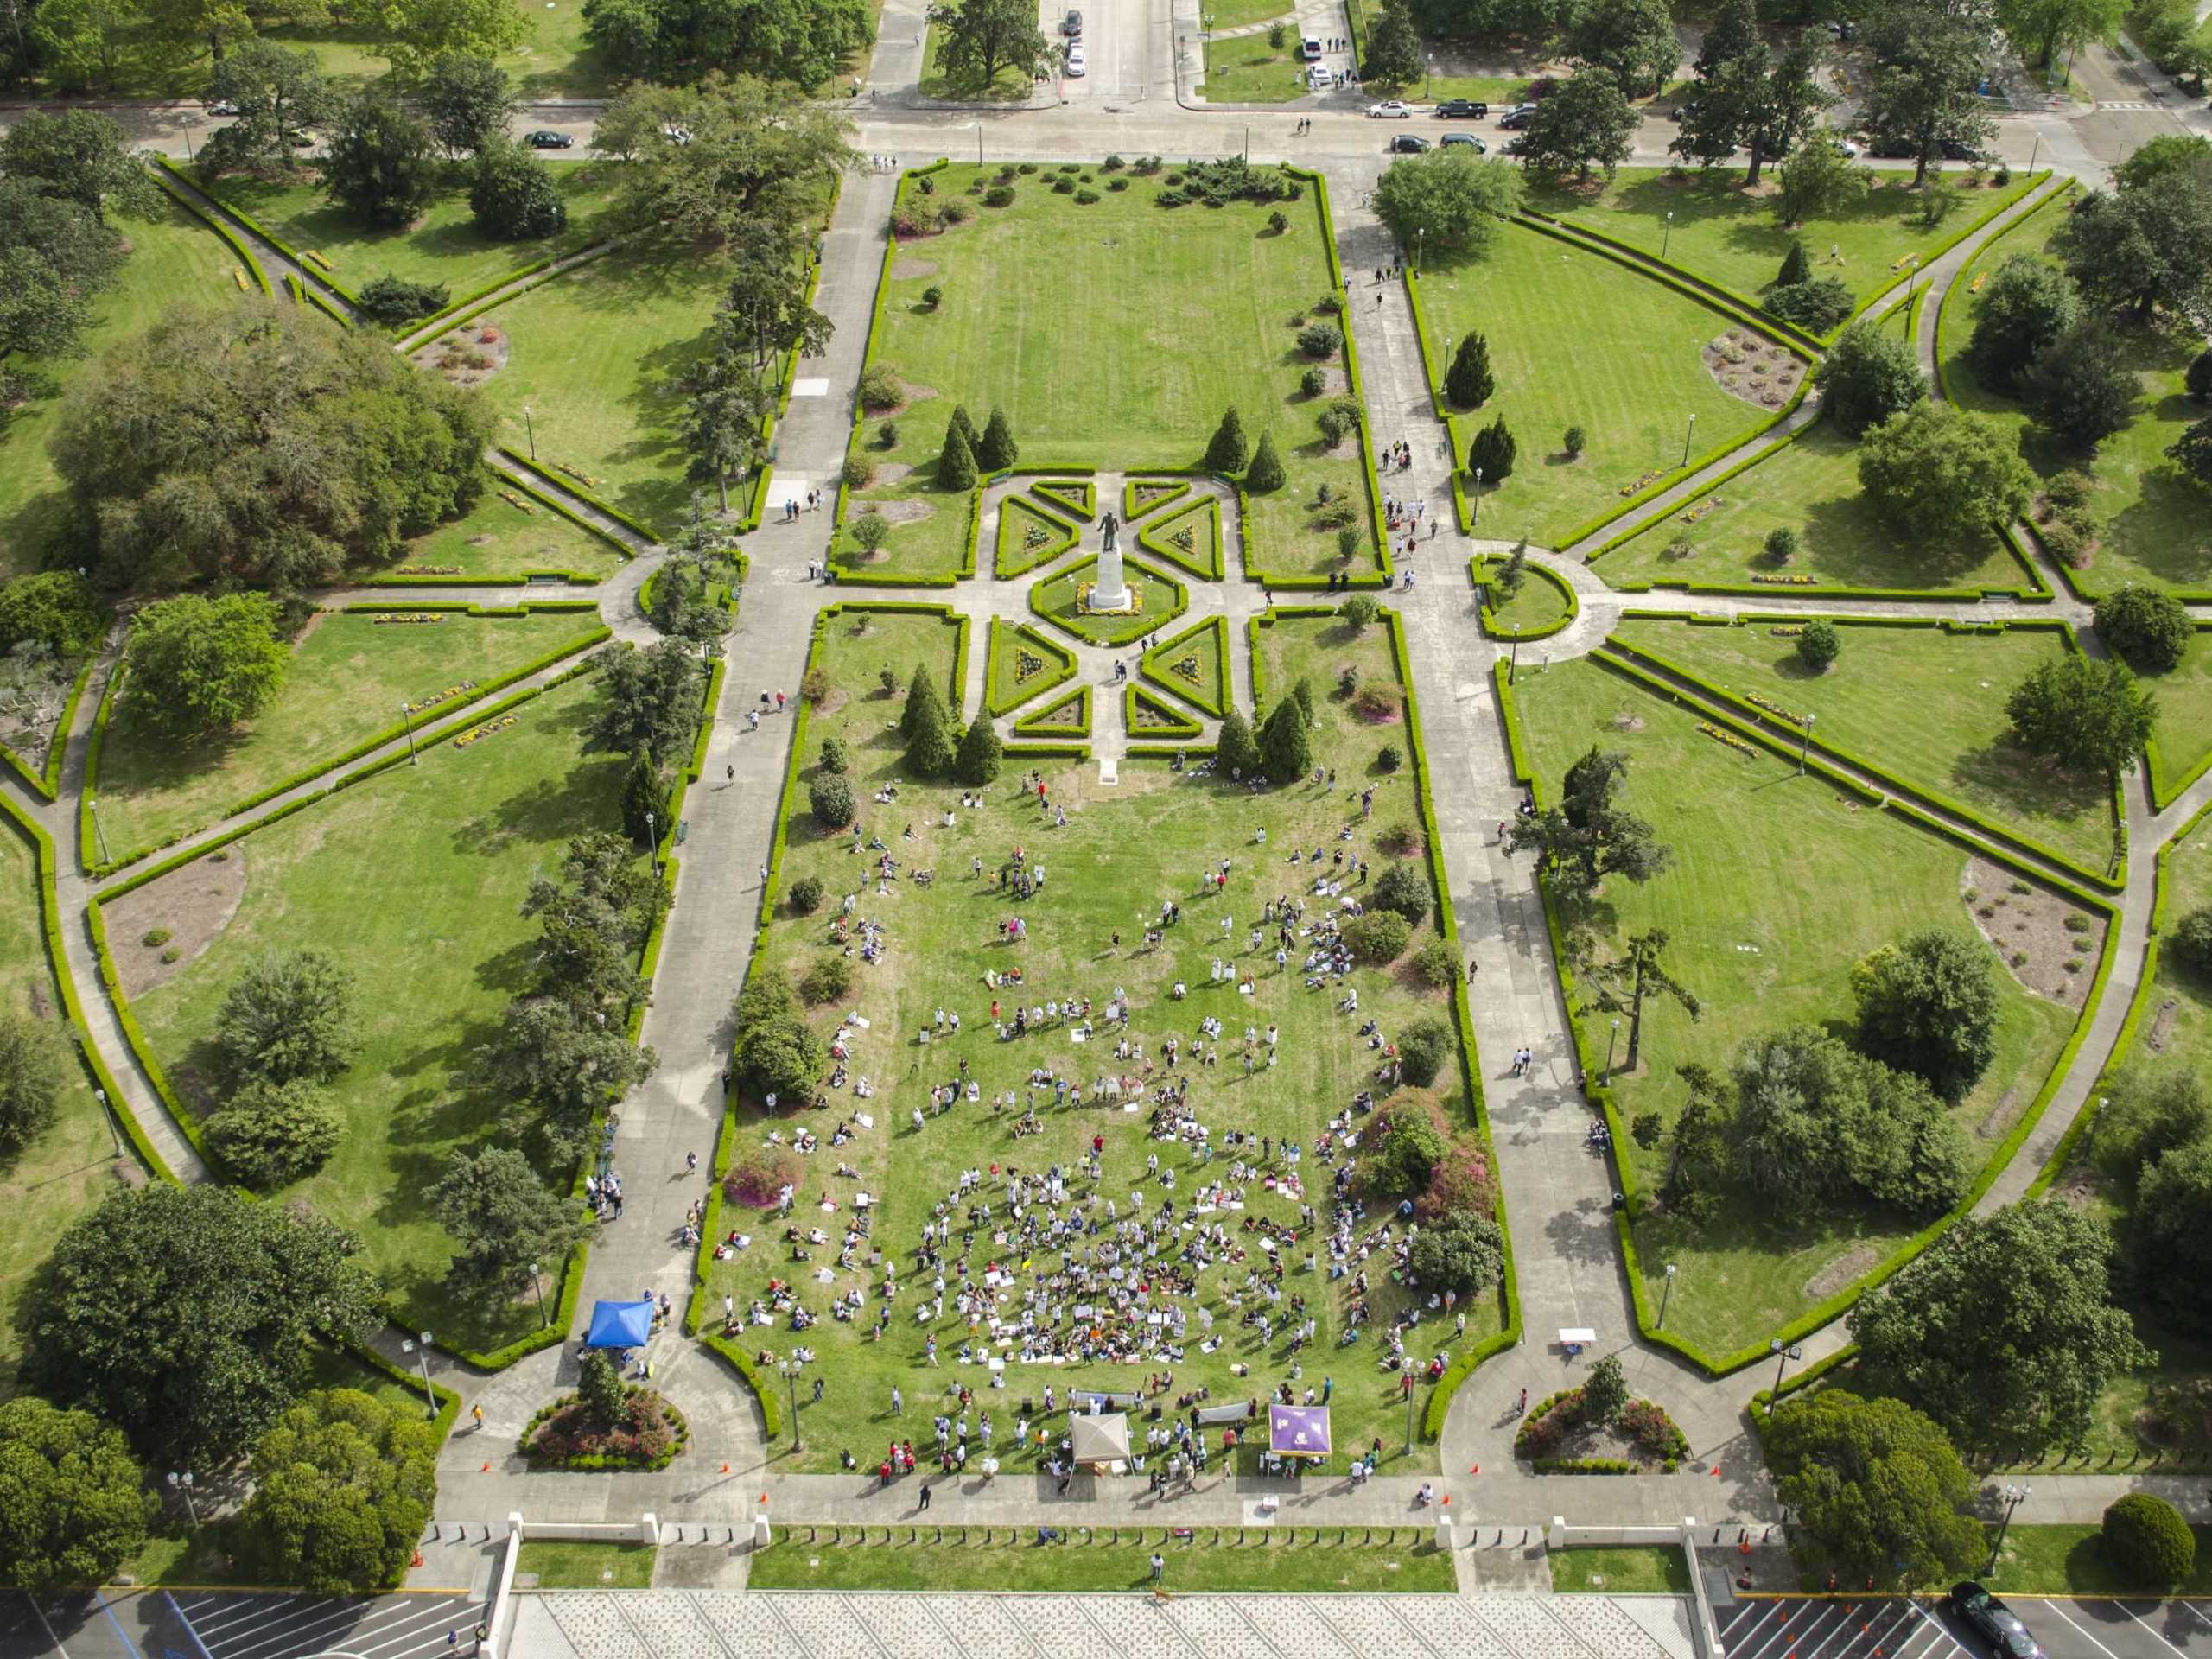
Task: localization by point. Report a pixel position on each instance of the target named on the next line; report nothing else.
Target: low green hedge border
(454, 318)
(1134, 567)
(1134, 695)
(2160, 798)
(1130, 510)
(553, 503)
(569, 488)
(375, 740)
(1602, 1096)
(1218, 627)
(1008, 561)
(1021, 752)
(763, 1386)
(1497, 630)
(169, 173)
(1048, 722)
(1059, 669)
(240, 216)
(1751, 712)
(1207, 565)
(1069, 496)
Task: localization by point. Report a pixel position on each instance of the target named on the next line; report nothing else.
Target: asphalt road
(2066, 1627)
(225, 1624)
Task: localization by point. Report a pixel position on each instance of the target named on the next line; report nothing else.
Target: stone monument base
(1090, 602)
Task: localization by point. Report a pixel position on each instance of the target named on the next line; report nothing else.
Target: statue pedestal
(1109, 590)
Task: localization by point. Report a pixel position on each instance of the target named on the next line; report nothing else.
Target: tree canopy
(1942, 476)
(2085, 712)
(1587, 122)
(288, 1015)
(748, 149)
(200, 665)
(1877, 1484)
(1447, 199)
(801, 42)
(502, 1219)
(1928, 1005)
(1590, 835)
(2027, 303)
(381, 164)
(74, 1507)
(342, 1487)
(977, 38)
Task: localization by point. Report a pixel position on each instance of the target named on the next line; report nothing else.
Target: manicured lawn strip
(593, 351)
(443, 246)
(2069, 1561)
(1576, 340)
(1179, 314)
(1245, 69)
(1735, 241)
(175, 262)
(1276, 1558)
(1207, 643)
(1006, 687)
(1623, 1571)
(2181, 747)
(1767, 907)
(434, 958)
(1201, 522)
(559, 1564)
(1069, 717)
(497, 540)
(1015, 551)
(71, 1165)
(1809, 484)
(1120, 854)
(1544, 605)
(2153, 528)
(1161, 600)
(553, 60)
(346, 682)
(1924, 703)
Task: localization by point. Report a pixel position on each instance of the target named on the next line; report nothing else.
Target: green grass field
(1576, 340)
(434, 952)
(2063, 1560)
(65, 1170)
(561, 1566)
(1768, 905)
(347, 680)
(1733, 237)
(443, 246)
(175, 261)
(1538, 604)
(592, 354)
(1810, 484)
(2184, 734)
(1280, 1559)
(498, 538)
(1923, 703)
(2153, 525)
(1245, 69)
(1121, 855)
(1113, 334)
(1625, 1572)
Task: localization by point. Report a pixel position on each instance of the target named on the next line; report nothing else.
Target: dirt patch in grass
(890, 472)
(904, 512)
(315, 619)
(467, 356)
(907, 268)
(2162, 1024)
(194, 904)
(2028, 926)
(1748, 365)
(1629, 724)
(1840, 1272)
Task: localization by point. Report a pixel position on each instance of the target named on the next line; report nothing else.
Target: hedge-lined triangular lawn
(1029, 536)
(1142, 495)
(1193, 665)
(1069, 717)
(1024, 664)
(1150, 716)
(1189, 537)
(1076, 495)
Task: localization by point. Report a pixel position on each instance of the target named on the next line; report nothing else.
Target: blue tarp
(620, 1324)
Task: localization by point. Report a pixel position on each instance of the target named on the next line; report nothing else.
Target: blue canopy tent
(620, 1324)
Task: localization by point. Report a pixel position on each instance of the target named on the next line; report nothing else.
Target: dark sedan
(549, 140)
(1993, 1621)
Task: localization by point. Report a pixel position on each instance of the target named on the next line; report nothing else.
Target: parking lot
(222, 1625)
(1817, 1628)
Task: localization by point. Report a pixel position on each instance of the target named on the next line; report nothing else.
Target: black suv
(1993, 1621)
(1517, 116)
(1462, 109)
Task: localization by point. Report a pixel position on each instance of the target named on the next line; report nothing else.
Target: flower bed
(650, 1434)
(1552, 1423)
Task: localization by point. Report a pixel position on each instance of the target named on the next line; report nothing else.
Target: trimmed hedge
(1496, 630)
(1059, 667)
(568, 487)
(1218, 627)
(167, 174)
(553, 504)
(1181, 724)
(1602, 1096)
(240, 216)
(1204, 562)
(1048, 722)
(1131, 511)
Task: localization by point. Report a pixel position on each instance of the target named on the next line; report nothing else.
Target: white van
(1310, 48)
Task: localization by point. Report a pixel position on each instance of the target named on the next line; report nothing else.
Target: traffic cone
(1476, 1469)
(486, 1470)
(725, 1468)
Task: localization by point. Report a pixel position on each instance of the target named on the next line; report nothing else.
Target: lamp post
(1912, 275)
(2013, 1497)
(2034, 152)
(530, 430)
(652, 840)
(1406, 1364)
(1420, 241)
(182, 1482)
(1477, 516)
(979, 144)
(1782, 1357)
(1610, 1043)
(1689, 432)
(1666, 1294)
(537, 1284)
(423, 1358)
(98, 833)
(790, 1367)
(1427, 76)
(1804, 743)
(407, 718)
(1513, 663)
(1666, 231)
(107, 1116)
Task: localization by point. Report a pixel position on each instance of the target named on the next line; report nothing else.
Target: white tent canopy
(1101, 1439)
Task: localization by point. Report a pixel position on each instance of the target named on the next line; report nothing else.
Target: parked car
(1462, 109)
(1466, 140)
(1408, 143)
(1849, 147)
(1310, 48)
(1318, 78)
(1954, 151)
(1071, 25)
(1993, 1621)
(1517, 116)
(225, 107)
(546, 140)
(676, 135)
(1076, 66)
(1389, 109)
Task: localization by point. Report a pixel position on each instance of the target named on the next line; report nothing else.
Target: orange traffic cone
(486, 1470)
(725, 1468)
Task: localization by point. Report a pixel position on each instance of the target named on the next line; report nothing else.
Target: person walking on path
(476, 1416)
(925, 1495)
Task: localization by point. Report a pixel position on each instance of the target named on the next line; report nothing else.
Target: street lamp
(107, 1116)
(1420, 241)
(1664, 1296)
(537, 1284)
(1513, 663)
(652, 840)
(1406, 1365)
(1912, 275)
(407, 719)
(790, 1367)
(1610, 1042)
(183, 1483)
(1782, 1357)
(1805, 743)
(979, 144)
(2014, 1496)
(1689, 433)
(1428, 75)
(530, 428)
(98, 833)
(1476, 518)
(1665, 231)
(423, 1358)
